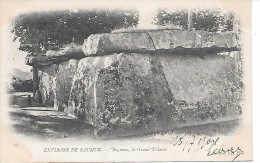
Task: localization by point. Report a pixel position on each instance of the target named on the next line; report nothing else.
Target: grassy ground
(47, 123)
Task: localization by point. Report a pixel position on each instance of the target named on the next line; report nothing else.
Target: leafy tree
(42, 31)
(207, 20)
(177, 18)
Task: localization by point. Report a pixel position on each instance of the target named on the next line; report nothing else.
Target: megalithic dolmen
(133, 83)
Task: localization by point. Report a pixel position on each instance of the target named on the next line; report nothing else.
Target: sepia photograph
(126, 81)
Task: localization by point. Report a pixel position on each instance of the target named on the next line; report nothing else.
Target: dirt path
(44, 122)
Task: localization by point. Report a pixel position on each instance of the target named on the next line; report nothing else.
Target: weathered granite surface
(120, 92)
(171, 39)
(47, 84)
(159, 40)
(132, 93)
(102, 44)
(143, 82)
(56, 57)
(55, 83)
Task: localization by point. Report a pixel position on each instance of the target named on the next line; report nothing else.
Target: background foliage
(42, 31)
(206, 20)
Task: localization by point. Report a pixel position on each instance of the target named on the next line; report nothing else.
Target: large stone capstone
(158, 40)
(101, 44)
(56, 57)
(171, 39)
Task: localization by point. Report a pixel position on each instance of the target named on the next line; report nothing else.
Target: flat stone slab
(53, 57)
(71, 52)
(160, 41)
(100, 44)
(156, 40)
(171, 39)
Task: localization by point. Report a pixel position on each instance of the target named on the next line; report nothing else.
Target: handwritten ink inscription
(194, 142)
(186, 143)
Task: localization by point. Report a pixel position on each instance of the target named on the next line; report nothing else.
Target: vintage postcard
(126, 81)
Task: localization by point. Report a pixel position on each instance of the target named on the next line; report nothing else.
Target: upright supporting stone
(35, 79)
(122, 94)
(37, 96)
(52, 75)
